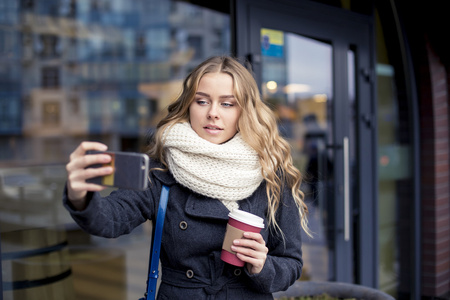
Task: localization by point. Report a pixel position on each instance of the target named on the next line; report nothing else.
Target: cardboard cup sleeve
(232, 233)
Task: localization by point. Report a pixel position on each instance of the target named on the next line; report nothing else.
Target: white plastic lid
(247, 218)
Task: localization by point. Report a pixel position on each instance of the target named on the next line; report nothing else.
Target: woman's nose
(212, 113)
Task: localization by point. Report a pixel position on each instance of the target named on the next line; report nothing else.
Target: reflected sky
(309, 64)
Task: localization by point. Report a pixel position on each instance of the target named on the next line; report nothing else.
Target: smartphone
(130, 170)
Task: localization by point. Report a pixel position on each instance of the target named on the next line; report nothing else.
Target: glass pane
(73, 70)
(297, 83)
(394, 177)
(395, 173)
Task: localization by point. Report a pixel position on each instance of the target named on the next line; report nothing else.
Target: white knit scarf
(228, 172)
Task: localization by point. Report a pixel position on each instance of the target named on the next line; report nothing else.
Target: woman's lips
(212, 129)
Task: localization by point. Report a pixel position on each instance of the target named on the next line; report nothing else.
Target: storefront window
(74, 70)
(395, 168)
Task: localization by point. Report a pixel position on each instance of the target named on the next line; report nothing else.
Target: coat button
(237, 272)
(189, 274)
(183, 225)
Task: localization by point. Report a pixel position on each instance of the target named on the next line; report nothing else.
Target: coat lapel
(164, 176)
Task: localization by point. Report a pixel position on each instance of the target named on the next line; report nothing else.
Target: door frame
(344, 28)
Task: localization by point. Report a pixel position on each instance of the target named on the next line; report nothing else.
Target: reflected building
(95, 69)
(10, 77)
(74, 70)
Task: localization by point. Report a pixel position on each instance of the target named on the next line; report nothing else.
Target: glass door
(296, 80)
(317, 80)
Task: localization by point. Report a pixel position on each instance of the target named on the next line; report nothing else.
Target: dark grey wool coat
(192, 239)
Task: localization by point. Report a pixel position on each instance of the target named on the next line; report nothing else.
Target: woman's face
(214, 113)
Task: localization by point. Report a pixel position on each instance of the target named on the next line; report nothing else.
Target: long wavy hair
(257, 125)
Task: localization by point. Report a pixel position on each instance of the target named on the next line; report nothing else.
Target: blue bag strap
(153, 272)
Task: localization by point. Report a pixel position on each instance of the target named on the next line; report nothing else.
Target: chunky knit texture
(228, 172)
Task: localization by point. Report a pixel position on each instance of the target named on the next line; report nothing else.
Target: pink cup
(239, 222)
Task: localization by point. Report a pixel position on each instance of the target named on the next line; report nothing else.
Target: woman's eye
(228, 104)
(201, 101)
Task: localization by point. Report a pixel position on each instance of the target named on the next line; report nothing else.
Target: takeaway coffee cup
(239, 222)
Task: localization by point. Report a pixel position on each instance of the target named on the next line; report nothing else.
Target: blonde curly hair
(257, 125)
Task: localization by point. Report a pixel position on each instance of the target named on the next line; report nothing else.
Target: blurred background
(360, 89)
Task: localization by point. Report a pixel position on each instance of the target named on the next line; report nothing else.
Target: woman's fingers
(83, 161)
(81, 150)
(252, 250)
(78, 173)
(85, 146)
(77, 178)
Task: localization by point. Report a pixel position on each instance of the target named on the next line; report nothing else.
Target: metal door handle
(346, 189)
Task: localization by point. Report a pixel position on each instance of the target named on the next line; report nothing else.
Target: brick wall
(434, 126)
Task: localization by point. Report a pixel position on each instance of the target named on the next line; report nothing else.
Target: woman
(218, 149)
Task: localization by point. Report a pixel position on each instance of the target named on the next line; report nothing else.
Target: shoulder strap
(153, 272)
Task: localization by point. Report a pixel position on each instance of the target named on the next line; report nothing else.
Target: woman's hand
(252, 250)
(77, 172)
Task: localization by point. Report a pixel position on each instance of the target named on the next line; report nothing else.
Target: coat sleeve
(284, 261)
(117, 214)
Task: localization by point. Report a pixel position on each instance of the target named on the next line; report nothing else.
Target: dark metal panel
(367, 136)
(344, 263)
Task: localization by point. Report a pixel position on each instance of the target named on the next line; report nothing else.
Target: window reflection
(96, 67)
(73, 70)
(297, 83)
